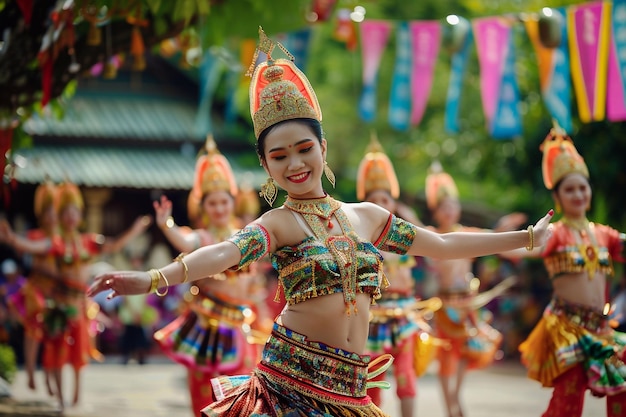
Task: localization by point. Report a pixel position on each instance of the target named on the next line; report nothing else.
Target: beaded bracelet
(531, 238)
(181, 258)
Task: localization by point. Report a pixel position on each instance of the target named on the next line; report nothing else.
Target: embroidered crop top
(568, 252)
(325, 265)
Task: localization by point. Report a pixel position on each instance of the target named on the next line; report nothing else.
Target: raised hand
(542, 230)
(162, 211)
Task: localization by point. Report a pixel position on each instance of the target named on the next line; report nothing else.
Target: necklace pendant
(330, 224)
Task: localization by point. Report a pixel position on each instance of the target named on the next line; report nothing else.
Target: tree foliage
(504, 174)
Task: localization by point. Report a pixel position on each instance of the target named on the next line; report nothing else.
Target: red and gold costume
(68, 315)
(467, 336)
(211, 338)
(573, 348)
(297, 376)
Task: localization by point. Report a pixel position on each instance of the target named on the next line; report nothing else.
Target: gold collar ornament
(323, 207)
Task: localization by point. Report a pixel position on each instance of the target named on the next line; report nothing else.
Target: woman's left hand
(542, 230)
(121, 283)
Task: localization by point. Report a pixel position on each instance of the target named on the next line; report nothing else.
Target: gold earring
(269, 191)
(557, 207)
(330, 175)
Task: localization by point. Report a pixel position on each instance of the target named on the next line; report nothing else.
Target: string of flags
(581, 58)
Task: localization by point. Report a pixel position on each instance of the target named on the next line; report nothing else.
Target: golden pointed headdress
(212, 173)
(439, 185)
(376, 172)
(560, 158)
(68, 193)
(279, 90)
(45, 197)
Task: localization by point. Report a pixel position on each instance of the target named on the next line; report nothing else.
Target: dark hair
(314, 125)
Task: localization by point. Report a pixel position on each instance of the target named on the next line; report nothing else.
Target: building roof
(97, 116)
(121, 167)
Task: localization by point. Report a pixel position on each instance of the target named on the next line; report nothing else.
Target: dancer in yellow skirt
(326, 254)
(573, 349)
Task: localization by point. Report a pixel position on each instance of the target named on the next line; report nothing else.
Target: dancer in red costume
(67, 338)
(29, 302)
(210, 337)
(397, 318)
(471, 343)
(326, 254)
(573, 349)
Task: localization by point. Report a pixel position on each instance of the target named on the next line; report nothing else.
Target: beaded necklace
(318, 214)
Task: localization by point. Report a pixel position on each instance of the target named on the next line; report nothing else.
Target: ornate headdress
(279, 90)
(45, 197)
(560, 158)
(439, 185)
(376, 172)
(68, 193)
(212, 173)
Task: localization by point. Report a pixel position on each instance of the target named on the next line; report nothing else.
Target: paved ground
(158, 389)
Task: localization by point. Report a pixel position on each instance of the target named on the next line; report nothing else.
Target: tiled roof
(124, 117)
(119, 167)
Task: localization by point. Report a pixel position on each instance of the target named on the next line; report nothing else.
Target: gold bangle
(181, 258)
(154, 280)
(167, 284)
(531, 238)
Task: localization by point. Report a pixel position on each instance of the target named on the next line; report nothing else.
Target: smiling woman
(327, 257)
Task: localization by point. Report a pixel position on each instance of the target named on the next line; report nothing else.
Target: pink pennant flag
(425, 38)
(616, 82)
(589, 33)
(492, 43)
(374, 36)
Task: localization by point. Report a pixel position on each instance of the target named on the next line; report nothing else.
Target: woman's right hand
(121, 283)
(162, 211)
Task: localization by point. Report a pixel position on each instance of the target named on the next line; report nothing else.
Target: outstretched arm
(23, 244)
(460, 245)
(202, 263)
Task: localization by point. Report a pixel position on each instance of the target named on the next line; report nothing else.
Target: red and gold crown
(45, 197)
(439, 185)
(560, 158)
(68, 193)
(279, 90)
(376, 172)
(212, 173)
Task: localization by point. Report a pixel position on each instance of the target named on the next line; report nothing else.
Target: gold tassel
(330, 175)
(557, 207)
(94, 36)
(137, 49)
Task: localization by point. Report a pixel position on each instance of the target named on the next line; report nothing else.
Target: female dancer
(30, 301)
(396, 319)
(313, 364)
(210, 337)
(68, 314)
(471, 342)
(572, 349)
